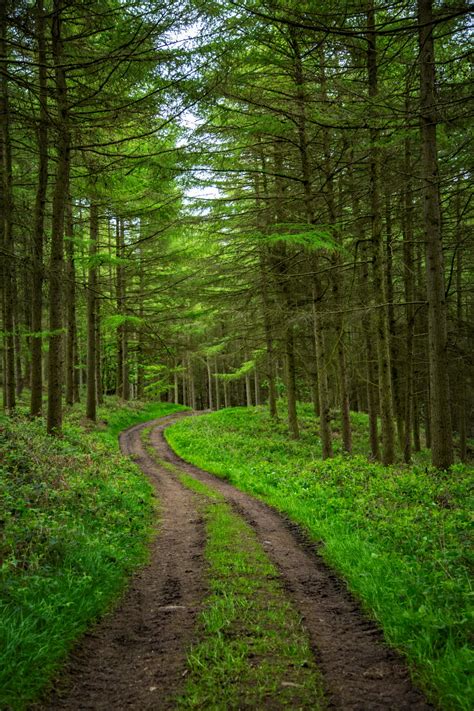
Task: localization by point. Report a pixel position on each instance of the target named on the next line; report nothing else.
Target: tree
(441, 433)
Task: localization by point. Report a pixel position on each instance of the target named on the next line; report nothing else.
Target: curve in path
(135, 658)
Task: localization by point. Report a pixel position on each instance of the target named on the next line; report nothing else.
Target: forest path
(135, 658)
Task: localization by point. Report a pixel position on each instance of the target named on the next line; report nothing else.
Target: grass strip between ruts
(252, 650)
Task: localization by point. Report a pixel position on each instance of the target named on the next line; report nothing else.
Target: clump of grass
(399, 535)
(75, 518)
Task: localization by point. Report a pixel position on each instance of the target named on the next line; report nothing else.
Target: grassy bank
(75, 519)
(399, 535)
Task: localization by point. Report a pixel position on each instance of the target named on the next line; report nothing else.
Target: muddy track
(135, 657)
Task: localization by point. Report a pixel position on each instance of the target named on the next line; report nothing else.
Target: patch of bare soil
(135, 657)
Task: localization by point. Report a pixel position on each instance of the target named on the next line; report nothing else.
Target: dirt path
(135, 658)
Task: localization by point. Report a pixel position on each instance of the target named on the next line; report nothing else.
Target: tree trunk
(125, 326)
(176, 384)
(280, 265)
(141, 340)
(119, 299)
(367, 328)
(98, 347)
(323, 385)
(256, 383)
(77, 366)
(291, 382)
(378, 276)
(17, 337)
(337, 277)
(267, 323)
(55, 365)
(6, 235)
(218, 391)
(441, 433)
(71, 335)
(126, 365)
(462, 399)
(192, 386)
(407, 208)
(416, 425)
(263, 222)
(91, 405)
(209, 384)
(392, 325)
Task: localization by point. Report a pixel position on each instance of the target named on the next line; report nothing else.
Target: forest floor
(235, 609)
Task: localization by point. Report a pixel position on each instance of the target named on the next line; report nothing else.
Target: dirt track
(135, 658)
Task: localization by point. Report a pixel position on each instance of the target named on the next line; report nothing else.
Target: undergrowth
(75, 519)
(399, 535)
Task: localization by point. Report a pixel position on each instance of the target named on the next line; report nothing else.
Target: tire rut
(135, 657)
(361, 672)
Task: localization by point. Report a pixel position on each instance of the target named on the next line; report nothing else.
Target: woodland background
(223, 203)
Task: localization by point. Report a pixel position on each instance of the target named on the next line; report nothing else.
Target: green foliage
(246, 367)
(399, 535)
(76, 518)
(311, 237)
(116, 320)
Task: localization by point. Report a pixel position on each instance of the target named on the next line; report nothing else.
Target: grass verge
(75, 518)
(399, 535)
(253, 651)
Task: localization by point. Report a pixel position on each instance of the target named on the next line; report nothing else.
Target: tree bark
(408, 278)
(392, 324)
(210, 398)
(337, 281)
(55, 365)
(98, 345)
(256, 383)
(323, 384)
(6, 241)
(192, 385)
(280, 266)
(125, 326)
(17, 337)
(126, 365)
(378, 275)
(462, 399)
(119, 300)
(441, 433)
(71, 334)
(322, 361)
(91, 405)
(367, 325)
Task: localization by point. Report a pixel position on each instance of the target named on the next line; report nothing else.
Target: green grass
(399, 535)
(75, 519)
(253, 650)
